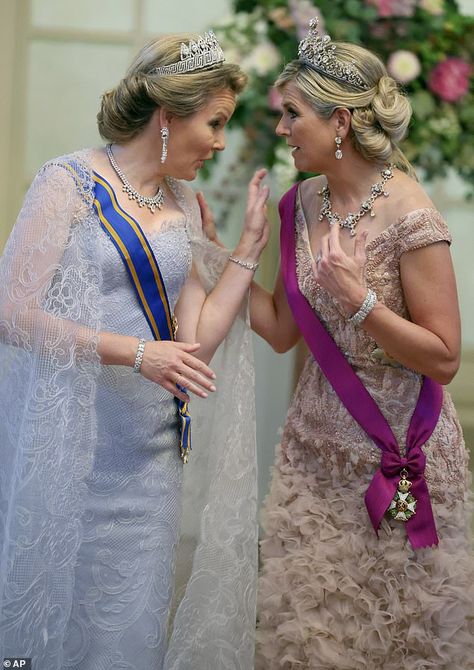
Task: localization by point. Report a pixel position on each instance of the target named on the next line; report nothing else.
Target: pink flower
(388, 8)
(449, 79)
(274, 100)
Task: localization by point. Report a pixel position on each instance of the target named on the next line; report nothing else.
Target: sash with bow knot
(144, 272)
(354, 396)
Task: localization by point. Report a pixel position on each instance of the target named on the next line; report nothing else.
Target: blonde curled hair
(380, 114)
(128, 107)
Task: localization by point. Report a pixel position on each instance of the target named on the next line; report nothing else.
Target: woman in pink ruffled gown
(333, 594)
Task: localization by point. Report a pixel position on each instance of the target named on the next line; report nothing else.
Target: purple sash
(354, 396)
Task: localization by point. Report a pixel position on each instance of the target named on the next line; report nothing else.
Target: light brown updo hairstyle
(380, 115)
(128, 107)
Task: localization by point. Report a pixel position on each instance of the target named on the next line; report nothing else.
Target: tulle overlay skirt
(332, 595)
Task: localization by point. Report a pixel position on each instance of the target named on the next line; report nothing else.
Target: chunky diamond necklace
(351, 219)
(142, 200)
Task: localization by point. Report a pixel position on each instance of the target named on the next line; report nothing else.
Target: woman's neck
(139, 162)
(351, 179)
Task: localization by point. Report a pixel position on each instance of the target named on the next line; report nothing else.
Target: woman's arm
(271, 317)
(208, 318)
(430, 342)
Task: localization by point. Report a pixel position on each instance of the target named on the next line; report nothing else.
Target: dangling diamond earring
(165, 133)
(338, 152)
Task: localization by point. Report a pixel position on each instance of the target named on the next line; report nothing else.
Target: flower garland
(427, 46)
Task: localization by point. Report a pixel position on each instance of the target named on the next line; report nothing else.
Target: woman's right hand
(169, 363)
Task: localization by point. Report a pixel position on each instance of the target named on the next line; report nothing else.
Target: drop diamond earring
(338, 152)
(165, 133)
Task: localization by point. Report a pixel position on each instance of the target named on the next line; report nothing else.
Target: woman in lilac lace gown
(333, 594)
(94, 512)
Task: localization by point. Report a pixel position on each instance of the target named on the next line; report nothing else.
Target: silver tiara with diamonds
(318, 52)
(199, 54)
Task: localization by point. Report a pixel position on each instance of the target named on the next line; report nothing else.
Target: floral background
(427, 46)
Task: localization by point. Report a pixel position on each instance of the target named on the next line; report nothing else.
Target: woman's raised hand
(169, 363)
(342, 274)
(256, 229)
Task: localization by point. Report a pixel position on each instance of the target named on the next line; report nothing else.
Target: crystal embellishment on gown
(403, 505)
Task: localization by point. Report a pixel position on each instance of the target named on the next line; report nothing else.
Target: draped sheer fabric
(51, 278)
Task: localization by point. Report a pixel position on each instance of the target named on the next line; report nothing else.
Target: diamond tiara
(197, 55)
(318, 52)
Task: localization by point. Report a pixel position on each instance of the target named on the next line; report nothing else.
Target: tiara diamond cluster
(197, 55)
(318, 52)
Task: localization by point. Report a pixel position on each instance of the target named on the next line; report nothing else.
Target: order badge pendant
(403, 505)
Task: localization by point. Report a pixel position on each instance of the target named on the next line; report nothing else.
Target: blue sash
(142, 267)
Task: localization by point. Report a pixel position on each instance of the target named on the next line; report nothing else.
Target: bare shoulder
(406, 195)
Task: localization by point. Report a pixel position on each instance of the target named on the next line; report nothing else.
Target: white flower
(262, 59)
(242, 20)
(260, 27)
(403, 66)
(435, 7)
(232, 54)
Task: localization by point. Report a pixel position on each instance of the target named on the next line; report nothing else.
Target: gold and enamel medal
(403, 505)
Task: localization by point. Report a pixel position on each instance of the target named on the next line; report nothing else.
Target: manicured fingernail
(213, 376)
(213, 388)
(203, 395)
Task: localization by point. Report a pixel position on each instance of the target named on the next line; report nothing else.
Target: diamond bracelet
(364, 310)
(244, 264)
(139, 355)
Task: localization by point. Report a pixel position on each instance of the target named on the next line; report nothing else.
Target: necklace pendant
(386, 194)
(372, 213)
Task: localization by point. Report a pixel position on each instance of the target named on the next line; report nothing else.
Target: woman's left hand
(342, 274)
(256, 228)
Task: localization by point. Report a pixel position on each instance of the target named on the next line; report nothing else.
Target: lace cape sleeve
(49, 320)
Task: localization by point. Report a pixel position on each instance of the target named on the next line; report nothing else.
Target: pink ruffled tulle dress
(331, 595)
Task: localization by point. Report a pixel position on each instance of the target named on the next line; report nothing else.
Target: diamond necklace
(351, 219)
(142, 200)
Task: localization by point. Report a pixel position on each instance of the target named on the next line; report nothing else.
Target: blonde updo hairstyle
(380, 115)
(128, 107)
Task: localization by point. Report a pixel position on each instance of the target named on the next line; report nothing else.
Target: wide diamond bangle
(139, 355)
(365, 309)
(244, 264)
